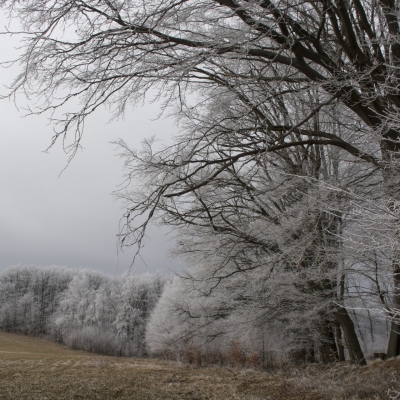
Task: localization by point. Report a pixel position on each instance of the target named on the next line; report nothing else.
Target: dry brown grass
(35, 369)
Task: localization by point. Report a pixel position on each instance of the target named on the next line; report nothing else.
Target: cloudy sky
(70, 219)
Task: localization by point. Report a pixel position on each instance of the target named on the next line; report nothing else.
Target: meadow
(33, 368)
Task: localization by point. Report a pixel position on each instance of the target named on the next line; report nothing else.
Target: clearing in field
(32, 368)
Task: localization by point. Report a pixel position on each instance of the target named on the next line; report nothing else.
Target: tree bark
(350, 336)
(391, 155)
(340, 347)
(393, 348)
(327, 349)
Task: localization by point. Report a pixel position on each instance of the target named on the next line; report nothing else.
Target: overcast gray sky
(70, 220)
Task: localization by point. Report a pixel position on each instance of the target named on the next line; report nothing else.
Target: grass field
(33, 368)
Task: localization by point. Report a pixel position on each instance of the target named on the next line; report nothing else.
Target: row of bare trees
(83, 309)
(278, 252)
(282, 186)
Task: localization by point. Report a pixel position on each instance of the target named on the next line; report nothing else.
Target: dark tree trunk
(327, 348)
(393, 348)
(338, 329)
(340, 347)
(391, 174)
(350, 336)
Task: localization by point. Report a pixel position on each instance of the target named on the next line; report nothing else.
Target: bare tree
(293, 81)
(257, 216)
(111, 52)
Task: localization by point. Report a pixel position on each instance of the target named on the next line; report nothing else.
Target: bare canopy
(264, 91)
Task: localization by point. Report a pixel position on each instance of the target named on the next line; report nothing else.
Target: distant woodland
(81, 309)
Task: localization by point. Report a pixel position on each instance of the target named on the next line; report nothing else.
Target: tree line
(150, 315)
(82, 309)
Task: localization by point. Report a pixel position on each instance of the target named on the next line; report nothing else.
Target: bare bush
(94, 340)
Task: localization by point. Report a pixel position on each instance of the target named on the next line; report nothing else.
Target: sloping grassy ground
(32, 368)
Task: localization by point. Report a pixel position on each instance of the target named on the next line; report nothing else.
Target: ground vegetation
(31, 368)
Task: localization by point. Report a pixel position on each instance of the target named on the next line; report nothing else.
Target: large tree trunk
(391, 155)
(327, 349)
(350, 336)
(340, 347)
(393, 348)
